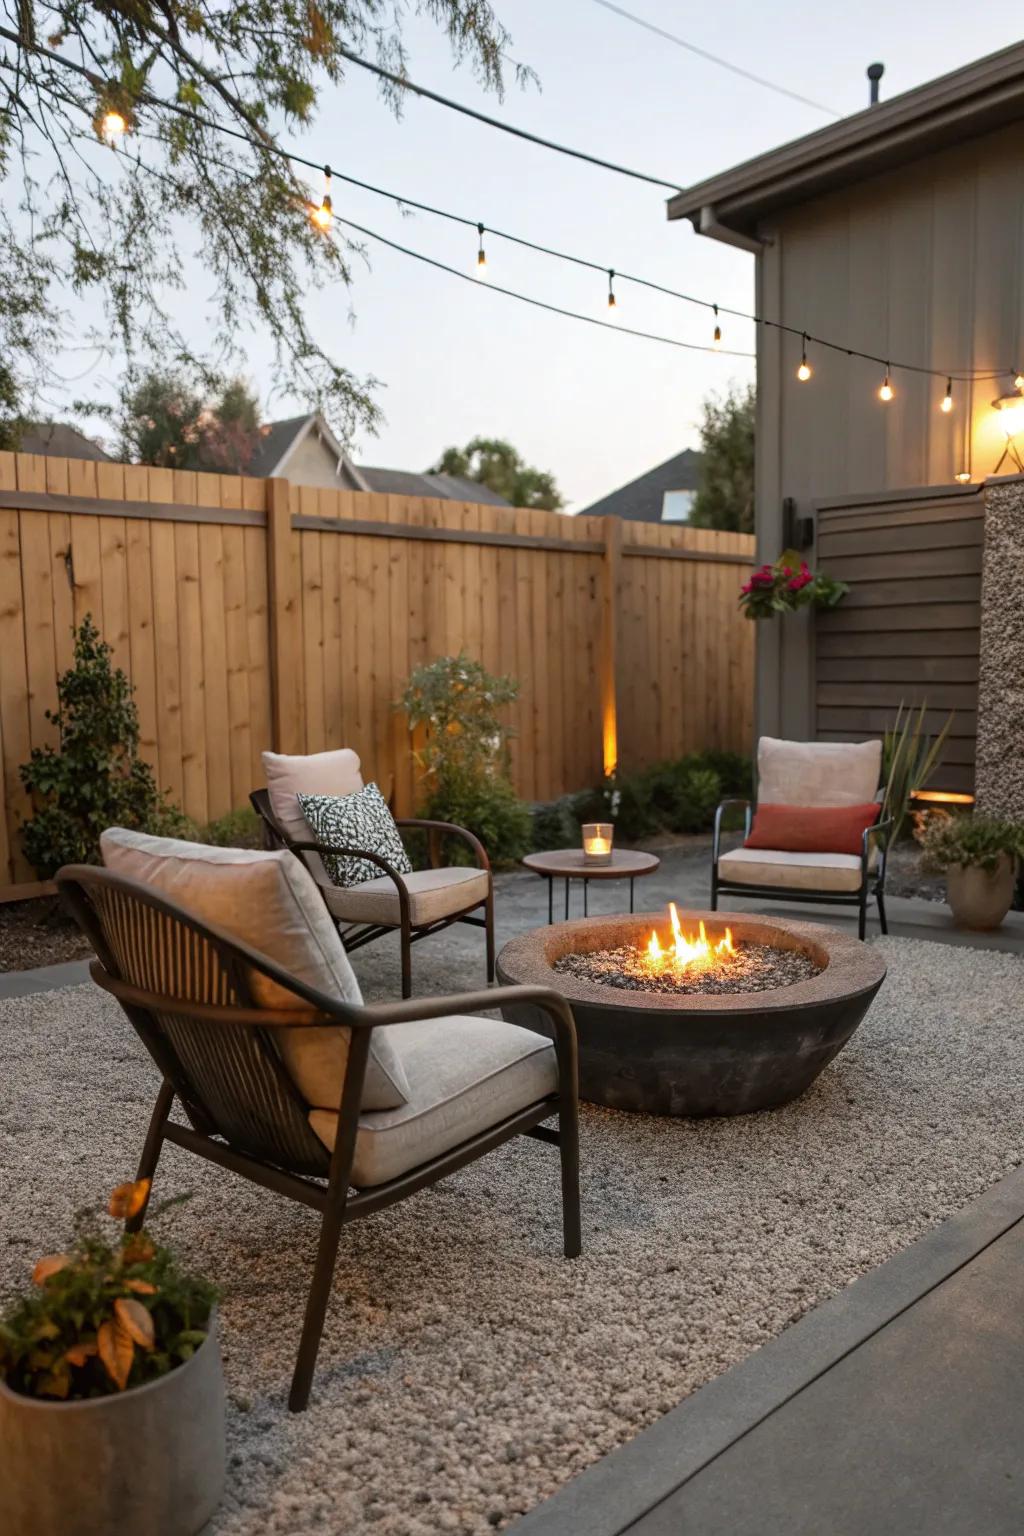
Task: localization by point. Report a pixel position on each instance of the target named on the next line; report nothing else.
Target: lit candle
(597, 842)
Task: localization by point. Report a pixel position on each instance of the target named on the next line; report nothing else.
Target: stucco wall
(1000, 750)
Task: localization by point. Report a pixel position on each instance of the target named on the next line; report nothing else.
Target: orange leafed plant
(106, 1315)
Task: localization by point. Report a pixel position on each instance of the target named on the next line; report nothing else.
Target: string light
(611, 290)
(481, 255)
(1018, 382)
(322, 214)
(113, 127)
(947, 399)
(717, 338)
(963, 475)
(886, 392)
(803, 373)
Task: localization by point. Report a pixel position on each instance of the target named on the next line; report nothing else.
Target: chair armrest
(418, 824)
(352, 853)
(725, 805)
(873, 831)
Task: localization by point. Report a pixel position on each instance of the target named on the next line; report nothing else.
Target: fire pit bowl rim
(849, 965)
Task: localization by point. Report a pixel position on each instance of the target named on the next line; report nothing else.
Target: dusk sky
(456, 359)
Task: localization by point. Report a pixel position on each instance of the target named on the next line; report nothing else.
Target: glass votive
(597, 842)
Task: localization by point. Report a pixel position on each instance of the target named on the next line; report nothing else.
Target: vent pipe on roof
(875, 73)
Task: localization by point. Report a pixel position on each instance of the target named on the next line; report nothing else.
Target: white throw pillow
(817, 772)
(271, 902)
(318, 773)
(362, 820)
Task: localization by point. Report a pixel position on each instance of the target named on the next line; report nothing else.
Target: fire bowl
(699, 1054)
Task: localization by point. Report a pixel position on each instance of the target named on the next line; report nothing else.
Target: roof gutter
(709, 224)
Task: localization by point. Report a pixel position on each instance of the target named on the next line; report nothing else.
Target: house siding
(922, 264)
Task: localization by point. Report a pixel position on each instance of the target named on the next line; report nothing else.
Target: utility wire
(271, 147)
(713, 58)
(493, 122)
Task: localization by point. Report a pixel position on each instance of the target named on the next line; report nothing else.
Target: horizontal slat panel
(878, 519)
(906, 565)
(923, 644)
(957, 752)
(938, 695)
(873, 721)
(929, 589)
(837, 540)
(925, 616)
(910, 670)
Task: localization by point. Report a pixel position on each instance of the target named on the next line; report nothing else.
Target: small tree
(725, 496)
(169, 421)
(94, 778)
(456, 703)
(495, 463)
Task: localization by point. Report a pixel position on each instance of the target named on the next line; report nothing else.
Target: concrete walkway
(894, 1407)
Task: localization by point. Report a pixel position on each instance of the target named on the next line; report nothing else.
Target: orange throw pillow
(811, 828)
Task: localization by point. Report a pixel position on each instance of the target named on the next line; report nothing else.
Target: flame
(687, 952)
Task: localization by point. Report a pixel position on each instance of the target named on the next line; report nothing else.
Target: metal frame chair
(186, 988)
(872, 881)
(356, 934)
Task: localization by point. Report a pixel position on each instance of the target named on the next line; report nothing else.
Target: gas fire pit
(700, 1014)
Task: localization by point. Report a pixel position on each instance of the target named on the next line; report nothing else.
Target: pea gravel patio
(467, 1370)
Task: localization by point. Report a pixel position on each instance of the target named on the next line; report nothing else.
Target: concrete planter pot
(147, 1460)
(979, 898)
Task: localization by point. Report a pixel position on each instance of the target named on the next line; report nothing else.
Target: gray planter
(979, 898)
(146, 1462)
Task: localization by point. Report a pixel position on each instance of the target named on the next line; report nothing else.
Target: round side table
(568, 864)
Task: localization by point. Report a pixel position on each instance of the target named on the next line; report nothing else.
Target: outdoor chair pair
(415, 904)
(231, 971)
(832, 781)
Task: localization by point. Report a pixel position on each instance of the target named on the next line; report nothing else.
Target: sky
(456, 359)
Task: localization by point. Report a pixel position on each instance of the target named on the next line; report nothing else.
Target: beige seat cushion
(817, 772)
(465, 1074)
(318, 773)
(434, 893)
(268, 900)
(798, 871)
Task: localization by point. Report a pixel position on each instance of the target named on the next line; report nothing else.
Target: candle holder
(597, 842)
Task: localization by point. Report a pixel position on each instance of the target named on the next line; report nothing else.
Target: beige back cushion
(269, 901)
(817, 772)
(321, 773)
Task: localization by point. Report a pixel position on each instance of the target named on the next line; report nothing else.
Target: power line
(493, 122)
(713, 58)
(271, 147)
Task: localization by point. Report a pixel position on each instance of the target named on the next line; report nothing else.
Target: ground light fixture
(1011, 419)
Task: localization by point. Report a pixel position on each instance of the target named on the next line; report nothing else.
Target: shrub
(105, 1316)
(678, 795)
(94, 778)
(238, 829)
(455, 703)
(974, 841)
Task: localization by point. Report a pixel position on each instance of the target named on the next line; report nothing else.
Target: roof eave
(974, 100)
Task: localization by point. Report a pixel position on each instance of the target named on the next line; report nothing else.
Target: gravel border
(467, 1370)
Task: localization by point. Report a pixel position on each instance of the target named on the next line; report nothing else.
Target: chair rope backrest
(229, 1074)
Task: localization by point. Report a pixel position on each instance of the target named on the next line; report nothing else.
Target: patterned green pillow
(362, 820)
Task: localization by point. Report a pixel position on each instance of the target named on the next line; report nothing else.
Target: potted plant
(787, 585)
(111, 1394)
(979, 856)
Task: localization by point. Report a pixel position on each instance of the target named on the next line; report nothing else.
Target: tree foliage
(94, 778)
(111, 219)
(493, 462)
(725, 496)
(166, 420)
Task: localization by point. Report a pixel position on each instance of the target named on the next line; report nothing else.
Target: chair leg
(151, 1148)
(489, 932)
(406, 961)
(862, 916)
(569, 1153)
(714, 887)
(316, 1307)
(883, 921)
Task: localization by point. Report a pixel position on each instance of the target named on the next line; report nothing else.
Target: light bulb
(1018, 382)
(716, 340)
(886, 392)
(947, 399)
(963, 475)
(481, 255)
(112, 127)
(322, 214)
(611, 290)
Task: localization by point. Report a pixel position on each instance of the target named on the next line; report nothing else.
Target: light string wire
(271, 147)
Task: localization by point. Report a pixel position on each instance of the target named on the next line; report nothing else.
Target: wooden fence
(253, 613)
(909, 629)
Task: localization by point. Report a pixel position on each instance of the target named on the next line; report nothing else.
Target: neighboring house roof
(405, 482)
(58, 439)
(972, 100)
(642, 500)
(279, 440)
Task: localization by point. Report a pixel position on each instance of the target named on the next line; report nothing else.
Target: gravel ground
(467, 1369)
(37, 933)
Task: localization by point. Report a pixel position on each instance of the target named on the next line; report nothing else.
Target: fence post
(282, 615)
(611, 578)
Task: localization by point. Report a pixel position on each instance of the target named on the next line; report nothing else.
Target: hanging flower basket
(787, 585)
